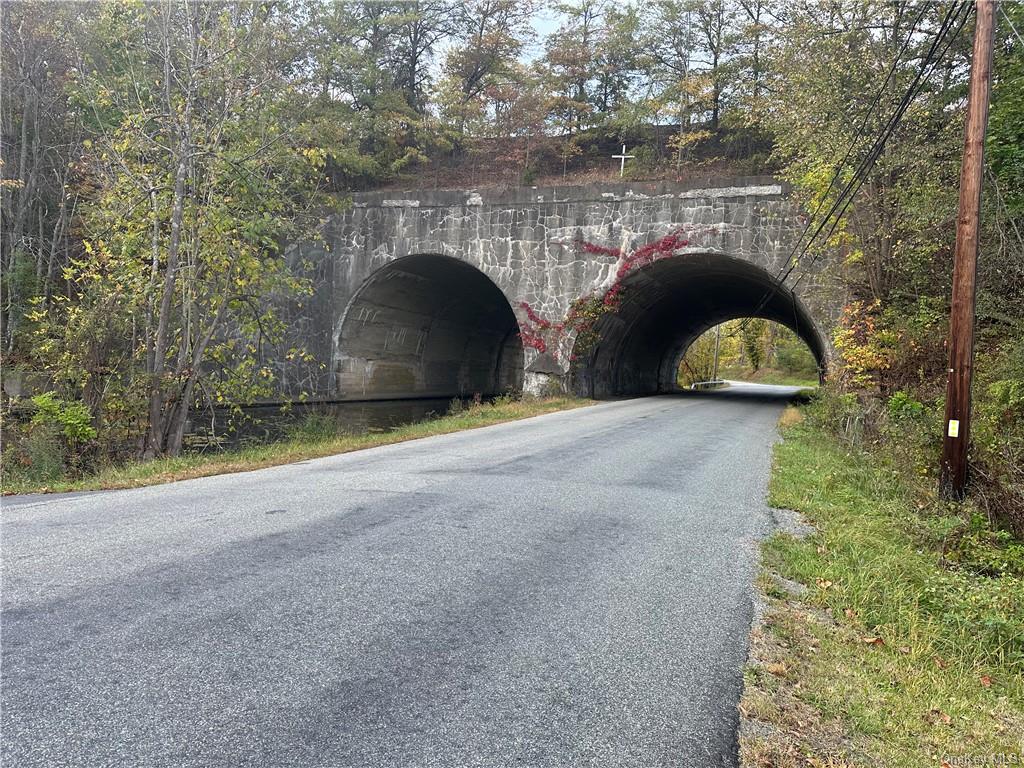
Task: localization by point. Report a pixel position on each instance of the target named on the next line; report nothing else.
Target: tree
(42, 137)
(351, 73)
(569, 62)
(1005, 145)
(698, 362)
(687, 45)
(198, 178)
(616, 60)
(899, 227)
(714, 20)
(420, 27)
(489, 36)
(752, 337)
(751, 43)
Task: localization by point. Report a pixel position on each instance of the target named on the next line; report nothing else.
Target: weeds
(908, 647)
(314, 436)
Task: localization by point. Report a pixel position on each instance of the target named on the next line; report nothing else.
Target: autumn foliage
(581, 320)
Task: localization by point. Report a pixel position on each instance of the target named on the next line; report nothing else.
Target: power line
(1006, 16)
(849, 192)
(846, 195)
(858, 132)
(873, 156)
(844, 198)
(780, 278)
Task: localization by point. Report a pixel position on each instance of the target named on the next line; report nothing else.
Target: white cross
(623, 157)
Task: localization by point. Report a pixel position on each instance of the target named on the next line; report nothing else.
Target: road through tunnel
(428, 326)
(665, 306)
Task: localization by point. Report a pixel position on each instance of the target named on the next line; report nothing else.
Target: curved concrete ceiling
(428, 326)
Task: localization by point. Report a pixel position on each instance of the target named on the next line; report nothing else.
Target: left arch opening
(666, 306)
(428, 326)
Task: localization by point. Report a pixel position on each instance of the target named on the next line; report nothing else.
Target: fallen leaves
(936, 716)
(873, 640)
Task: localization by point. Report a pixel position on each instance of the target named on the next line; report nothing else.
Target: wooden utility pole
(961, 320)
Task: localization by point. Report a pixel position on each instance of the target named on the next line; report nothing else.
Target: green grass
(314, 438)
(892, 658)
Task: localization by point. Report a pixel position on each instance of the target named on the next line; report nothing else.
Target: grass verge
(873, 649)
(306, 444)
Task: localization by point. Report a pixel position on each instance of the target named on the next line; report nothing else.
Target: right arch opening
(669, 303)
(749, 349)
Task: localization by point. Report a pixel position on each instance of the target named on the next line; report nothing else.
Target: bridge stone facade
(432, 293)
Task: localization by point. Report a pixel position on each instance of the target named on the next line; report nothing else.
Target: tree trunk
(156, 440)
(176, 430)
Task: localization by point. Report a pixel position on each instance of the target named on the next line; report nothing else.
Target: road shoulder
(323, 441)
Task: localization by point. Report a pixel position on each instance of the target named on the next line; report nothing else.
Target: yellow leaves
(683, 141)
(865, 346)
(855, 256)
(697, 86)
(315, 156)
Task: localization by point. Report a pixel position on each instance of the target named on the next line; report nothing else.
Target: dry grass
(790, 417)
(299, 448)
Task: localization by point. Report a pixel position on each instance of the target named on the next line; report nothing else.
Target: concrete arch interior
(428, 326)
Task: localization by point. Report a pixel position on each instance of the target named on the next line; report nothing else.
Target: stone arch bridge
(433, 294)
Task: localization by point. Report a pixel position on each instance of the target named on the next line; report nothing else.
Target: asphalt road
(569, 590)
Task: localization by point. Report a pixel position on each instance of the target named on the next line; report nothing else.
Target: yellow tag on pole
(954, 428)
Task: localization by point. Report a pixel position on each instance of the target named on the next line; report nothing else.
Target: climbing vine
(542, 334)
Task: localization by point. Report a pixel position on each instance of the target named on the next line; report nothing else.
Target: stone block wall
(541, 247)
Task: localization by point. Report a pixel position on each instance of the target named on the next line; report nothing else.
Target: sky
(544, 23)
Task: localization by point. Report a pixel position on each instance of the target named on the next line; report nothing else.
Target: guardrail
(713, 384)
